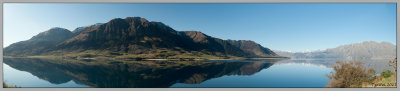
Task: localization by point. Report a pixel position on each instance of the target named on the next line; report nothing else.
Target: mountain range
(134, 37)
(363, 50)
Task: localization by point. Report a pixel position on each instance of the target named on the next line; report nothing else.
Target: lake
(269, 73)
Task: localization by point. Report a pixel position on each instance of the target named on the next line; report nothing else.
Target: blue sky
(278, 26)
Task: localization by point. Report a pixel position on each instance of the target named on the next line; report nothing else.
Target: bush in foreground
(349, 75)
(386, 73)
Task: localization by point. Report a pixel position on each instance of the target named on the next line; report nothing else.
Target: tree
(349, 75)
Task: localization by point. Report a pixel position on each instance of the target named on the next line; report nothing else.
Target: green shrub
(386, 73)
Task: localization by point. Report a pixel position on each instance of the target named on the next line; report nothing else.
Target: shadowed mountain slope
(135, 37)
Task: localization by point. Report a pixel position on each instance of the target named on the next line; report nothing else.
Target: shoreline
(144, 59)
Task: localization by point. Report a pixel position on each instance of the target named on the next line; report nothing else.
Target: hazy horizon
(286, 27)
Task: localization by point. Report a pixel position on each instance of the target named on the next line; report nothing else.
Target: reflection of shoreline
(132, 73)
(12, 77)
(304, 64)
(379, 65)
(146, 59)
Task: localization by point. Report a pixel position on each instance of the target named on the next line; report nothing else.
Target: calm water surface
(25, 72)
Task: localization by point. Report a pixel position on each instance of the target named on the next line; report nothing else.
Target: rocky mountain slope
(134, 37)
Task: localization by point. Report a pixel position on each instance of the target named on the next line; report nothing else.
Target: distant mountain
(135, 37)
(367, 49)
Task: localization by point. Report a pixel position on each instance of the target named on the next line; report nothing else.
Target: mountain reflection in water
(140, 74)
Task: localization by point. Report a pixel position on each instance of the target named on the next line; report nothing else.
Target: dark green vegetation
(387, 73)
(357, 51)
(134, 37)
(126, 74)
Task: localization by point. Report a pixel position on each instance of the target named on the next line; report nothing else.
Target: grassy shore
(381, 82)
(159, 54)
(138, 58)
